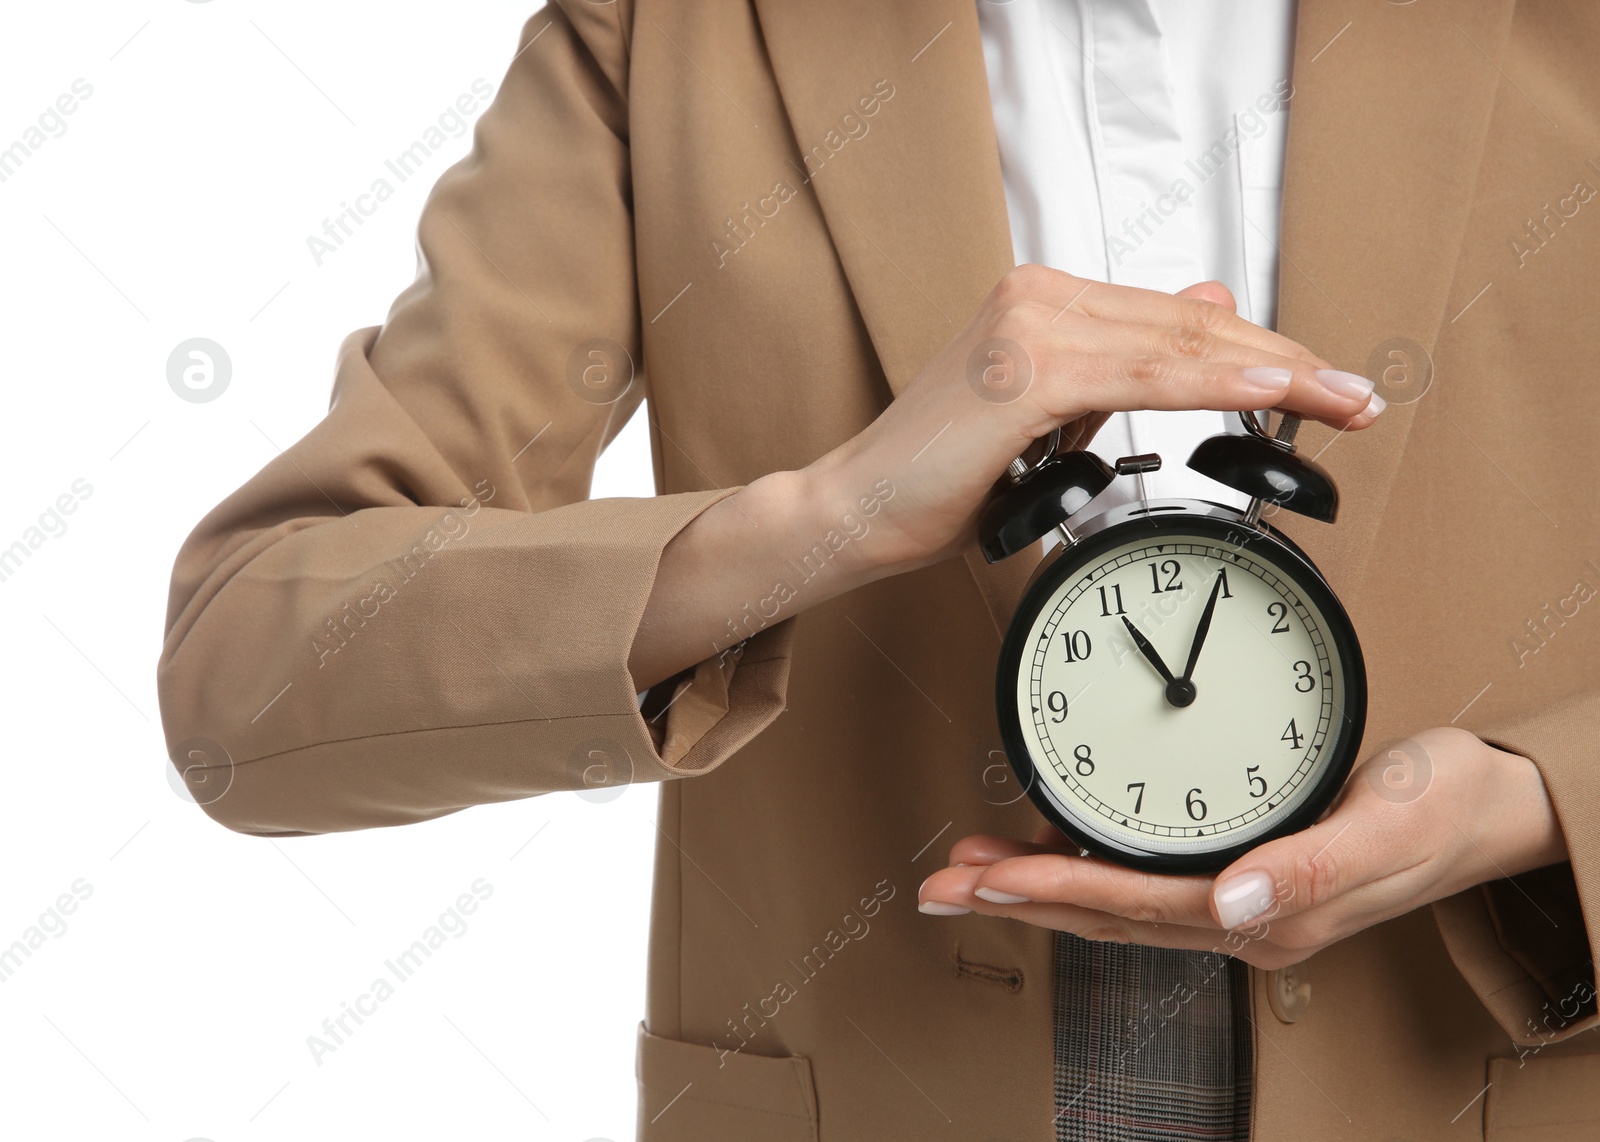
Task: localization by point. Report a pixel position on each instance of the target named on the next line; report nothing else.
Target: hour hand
(1179, 691)
(1147, 650)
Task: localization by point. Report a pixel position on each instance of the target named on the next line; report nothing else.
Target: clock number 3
(1302, 673)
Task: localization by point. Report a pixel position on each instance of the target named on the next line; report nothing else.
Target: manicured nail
(1374, 406)
(1343, 384)
(1272, 379)
(1240, 899)
(940, 908)
(995, 896)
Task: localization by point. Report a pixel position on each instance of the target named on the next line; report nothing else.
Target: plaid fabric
(1151, 1044)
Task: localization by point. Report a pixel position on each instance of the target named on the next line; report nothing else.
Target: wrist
(849, 514)
(813, 530)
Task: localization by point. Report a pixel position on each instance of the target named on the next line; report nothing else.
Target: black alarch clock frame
(1266, 468)
(1151, 521)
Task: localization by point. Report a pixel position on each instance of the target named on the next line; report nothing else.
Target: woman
(790, 226)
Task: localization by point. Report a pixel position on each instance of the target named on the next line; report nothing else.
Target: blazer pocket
(1543, 1099)
(694, 1093)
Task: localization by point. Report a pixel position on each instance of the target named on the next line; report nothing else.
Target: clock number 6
(1196, 807)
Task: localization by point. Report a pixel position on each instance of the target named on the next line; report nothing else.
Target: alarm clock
(1179, 683)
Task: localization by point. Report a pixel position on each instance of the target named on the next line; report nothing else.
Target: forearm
(785, 542)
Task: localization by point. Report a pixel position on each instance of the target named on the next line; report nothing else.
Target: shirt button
(1289, 992)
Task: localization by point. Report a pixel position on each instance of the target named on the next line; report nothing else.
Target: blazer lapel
(1387, 122)
(916, 208)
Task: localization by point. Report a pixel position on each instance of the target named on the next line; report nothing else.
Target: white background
(178, 1001)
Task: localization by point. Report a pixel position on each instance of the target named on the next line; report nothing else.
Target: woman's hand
(1047, 349)
(1421, 820)
(1044, 350)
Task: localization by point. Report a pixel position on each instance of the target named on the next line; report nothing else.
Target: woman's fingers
(1204, 306)
(1029, 877)
(987, 850)
(951, 892)
(1108, 380)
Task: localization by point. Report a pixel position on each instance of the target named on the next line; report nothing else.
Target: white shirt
(1141, 143)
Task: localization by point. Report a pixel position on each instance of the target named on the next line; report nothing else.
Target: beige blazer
(780, 211)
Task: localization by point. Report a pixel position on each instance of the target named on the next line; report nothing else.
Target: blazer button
(1289, 992)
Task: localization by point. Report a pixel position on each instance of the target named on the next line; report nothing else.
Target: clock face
(1181, 688)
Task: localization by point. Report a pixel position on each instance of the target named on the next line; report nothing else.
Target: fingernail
(1374, 406)
(940, 908)
(1267, 377)
(1344, 384)
(995, 896)
(1240, 899)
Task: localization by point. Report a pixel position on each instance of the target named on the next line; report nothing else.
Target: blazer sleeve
(415, 608)
(1526, 943)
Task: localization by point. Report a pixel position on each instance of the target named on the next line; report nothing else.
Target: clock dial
(1178, 692)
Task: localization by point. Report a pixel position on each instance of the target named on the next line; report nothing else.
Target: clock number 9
(1196, 807)
(1302, 673)
(1058, 706)
(1085, 762)
(1078, 644)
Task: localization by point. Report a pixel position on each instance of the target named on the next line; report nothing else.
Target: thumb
(1210, 291)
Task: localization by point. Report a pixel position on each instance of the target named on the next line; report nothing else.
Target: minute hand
(1201, 630)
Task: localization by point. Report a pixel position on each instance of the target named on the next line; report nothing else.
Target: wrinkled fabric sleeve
(415, 608)
(1526, 943)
